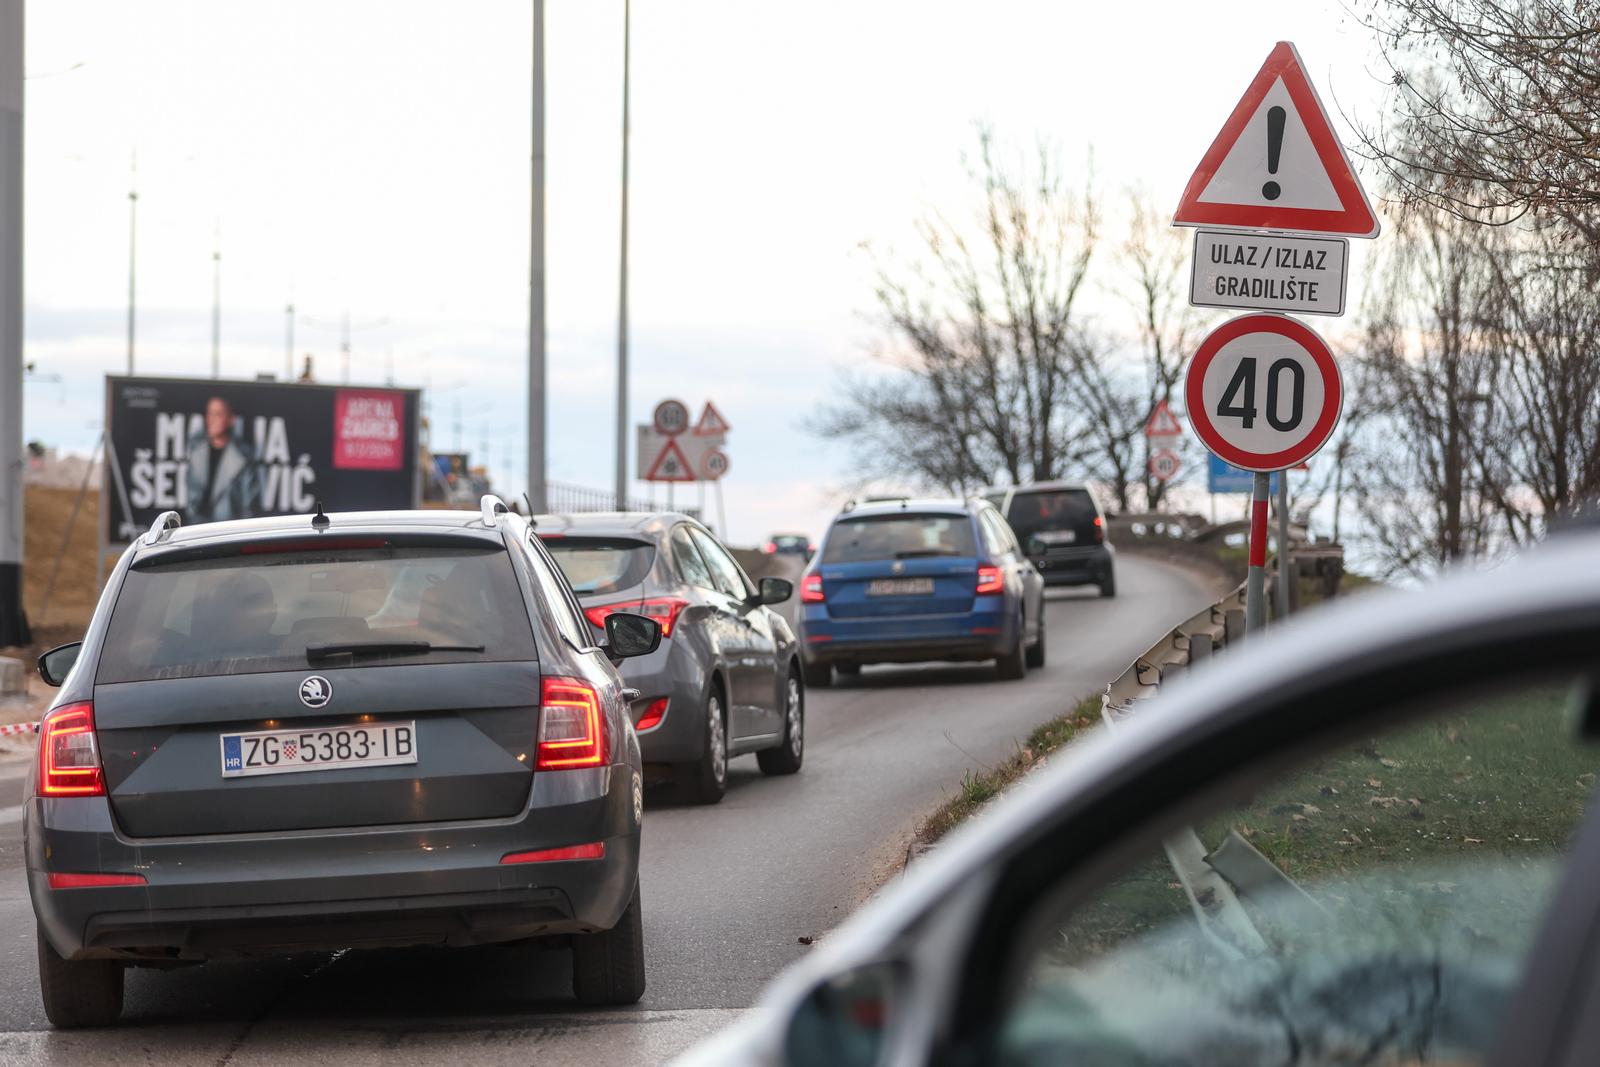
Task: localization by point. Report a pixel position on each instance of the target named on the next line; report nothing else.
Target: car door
(1002, 549)
(1031, 581)
(752, 695)
(1367, 840)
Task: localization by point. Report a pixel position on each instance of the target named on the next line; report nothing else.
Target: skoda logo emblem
(315, 691)
(897, 567)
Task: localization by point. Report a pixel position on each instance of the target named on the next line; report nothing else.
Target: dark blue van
(906, 581)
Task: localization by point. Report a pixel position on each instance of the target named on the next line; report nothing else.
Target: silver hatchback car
(727, 678)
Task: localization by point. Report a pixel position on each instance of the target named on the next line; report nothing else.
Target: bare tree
(1430, 488)
(1495, 113)
(983, 342)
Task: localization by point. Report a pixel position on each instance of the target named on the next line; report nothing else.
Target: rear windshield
(899, 537)
(252, 613)
(602, 564)
(1053, 509)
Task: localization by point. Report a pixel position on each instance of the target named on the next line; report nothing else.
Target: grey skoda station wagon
(313, 733)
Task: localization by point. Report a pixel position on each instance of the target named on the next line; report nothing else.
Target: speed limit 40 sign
(1263, 392)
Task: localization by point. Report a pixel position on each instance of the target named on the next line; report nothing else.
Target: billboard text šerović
(217, 450)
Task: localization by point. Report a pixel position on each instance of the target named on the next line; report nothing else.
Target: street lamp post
(622, 289)
(14, 628)
(537, 499)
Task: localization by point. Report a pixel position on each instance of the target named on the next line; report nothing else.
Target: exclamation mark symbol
(1275, 117)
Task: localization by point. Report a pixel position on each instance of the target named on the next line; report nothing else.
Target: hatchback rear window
(247, 614)
(602, 564)
(1049, 510)
(899, 536)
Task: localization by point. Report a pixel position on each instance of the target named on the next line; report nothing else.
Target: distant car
(1368, 836)
(908, 581)
(727, 679)
(1063, 531)
(305, 734)
(789, 545)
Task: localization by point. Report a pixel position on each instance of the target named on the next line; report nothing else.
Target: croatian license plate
(900, 587)
(326, 748)
(1058, 537)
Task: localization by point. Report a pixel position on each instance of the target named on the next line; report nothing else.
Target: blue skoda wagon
(906, 581)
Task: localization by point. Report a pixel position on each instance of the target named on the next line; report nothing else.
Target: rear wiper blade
(330, 649)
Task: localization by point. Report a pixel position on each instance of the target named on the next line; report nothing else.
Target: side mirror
(775, 590)
(846, 1020)
(629, 635)
(55, 665)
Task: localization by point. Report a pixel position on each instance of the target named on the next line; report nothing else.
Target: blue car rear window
(899, 536)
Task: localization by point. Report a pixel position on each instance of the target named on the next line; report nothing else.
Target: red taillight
(770, 547)
(654, 712)
(594, 851)
(92, 881)
(571, 733)
(69, 759)
(989, 581)
(1099, 529)
(811, 589)
(665, 610)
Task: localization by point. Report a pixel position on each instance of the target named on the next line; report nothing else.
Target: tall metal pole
(216, 310)
(537, 499)
(1255, 602)
(288, 342)
(14, 628)
(133, 257)
(344, 344)
(622, 290)
(1283, 545)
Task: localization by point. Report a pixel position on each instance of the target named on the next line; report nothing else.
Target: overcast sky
(372, 158)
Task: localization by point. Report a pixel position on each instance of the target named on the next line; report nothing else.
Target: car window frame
(686, 530)
(697, 535)
(1081, 850)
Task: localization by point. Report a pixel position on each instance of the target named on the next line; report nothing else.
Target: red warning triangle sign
(711, 422)
(1277, 164)
(670, 465)
(1163, 423)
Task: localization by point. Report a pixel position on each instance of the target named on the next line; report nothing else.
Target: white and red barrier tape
(19, 728)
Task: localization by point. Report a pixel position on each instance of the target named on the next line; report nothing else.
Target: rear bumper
(986, 632)
(1075, 566)
(264, 894)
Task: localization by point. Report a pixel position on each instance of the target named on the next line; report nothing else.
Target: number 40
(1239, 398)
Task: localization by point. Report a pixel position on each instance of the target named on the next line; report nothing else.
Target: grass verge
(979, 787)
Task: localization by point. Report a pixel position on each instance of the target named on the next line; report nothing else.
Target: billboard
(216, 450)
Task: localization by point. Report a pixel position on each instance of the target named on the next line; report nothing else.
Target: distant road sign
(1267, 272)
(714, 466)
(711, 422)
(1163, 423)
(671, 418)
(1277, 164)
(1263, 392)
(1164, 465)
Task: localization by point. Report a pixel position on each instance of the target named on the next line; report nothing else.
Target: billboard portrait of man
(224, 482)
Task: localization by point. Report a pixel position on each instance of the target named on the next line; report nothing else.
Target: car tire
(1014, 664)
(78, 993)
(608, 967)
(1035, 658)
(706, 779)
(817, 675)
(790, 752)
(1108, 588)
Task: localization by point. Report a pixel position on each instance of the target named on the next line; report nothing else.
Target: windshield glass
(899, 537)
(252, 613)
(601, 564)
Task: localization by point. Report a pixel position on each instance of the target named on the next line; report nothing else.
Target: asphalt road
(728, 891)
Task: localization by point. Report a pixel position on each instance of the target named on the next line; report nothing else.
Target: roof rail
(492, 506)
(165, 523)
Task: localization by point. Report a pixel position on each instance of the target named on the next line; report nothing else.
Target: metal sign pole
(1283, 544)
(14, 628)
(1255, 604)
